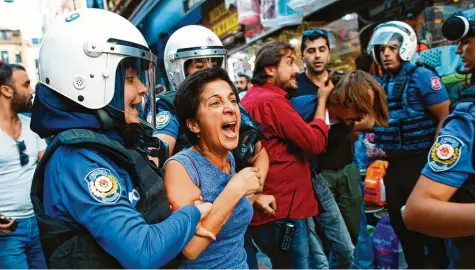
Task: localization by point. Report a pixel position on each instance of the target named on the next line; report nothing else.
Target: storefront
(344, 41)
(350, 33)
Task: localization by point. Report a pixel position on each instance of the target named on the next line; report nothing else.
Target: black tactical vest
(409, 130)
(67, 246)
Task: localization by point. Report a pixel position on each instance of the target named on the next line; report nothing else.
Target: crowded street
(237, 134)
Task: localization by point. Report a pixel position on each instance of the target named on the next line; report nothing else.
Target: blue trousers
(21, 248)
(332, 222)
(268, 238)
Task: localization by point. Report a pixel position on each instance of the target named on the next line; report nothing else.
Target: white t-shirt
(329, 121)
(15, 180)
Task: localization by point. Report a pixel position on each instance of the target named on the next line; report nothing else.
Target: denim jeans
(318, 258)
(21, 248)
(251, 258)
(268, 238)
(342, 253)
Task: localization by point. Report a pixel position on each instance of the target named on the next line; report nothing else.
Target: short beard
(19, 105)
(315, 71)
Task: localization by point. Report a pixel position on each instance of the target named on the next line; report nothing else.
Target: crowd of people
(205, 174)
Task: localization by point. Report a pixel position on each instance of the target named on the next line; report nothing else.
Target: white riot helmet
(387, 31)
(90, 55)
(189, 43)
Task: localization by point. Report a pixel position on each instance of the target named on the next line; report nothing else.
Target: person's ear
(6, 91)
(270, 71)
(192, 125)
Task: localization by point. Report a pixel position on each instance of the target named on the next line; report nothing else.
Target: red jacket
(290, 141)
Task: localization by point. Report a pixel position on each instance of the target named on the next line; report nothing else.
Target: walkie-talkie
(289, 229)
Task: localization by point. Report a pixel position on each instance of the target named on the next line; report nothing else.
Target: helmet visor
(388, 38)
(134, 94)
(192, 65)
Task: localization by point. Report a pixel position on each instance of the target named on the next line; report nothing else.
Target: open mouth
(133, 110)
(229, 129)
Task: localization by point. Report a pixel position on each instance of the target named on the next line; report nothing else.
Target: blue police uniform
(112, 220)
(406, 141)
(411, 127)
(166, 121)
(451, 159)
(87, 189)
(451, 162)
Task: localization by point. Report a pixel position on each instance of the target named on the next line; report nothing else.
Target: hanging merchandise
(286, 15)
(229, 3)
(248, 11)
(308, 6)
(374, 189)
(388, 252)
(268, 13)
(278, 13)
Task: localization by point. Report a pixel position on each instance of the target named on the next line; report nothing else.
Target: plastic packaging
(386, 245)
(308, 6)
(277, 13)
(268, 13)
(286, 15)
(248, 12)
(374, 188)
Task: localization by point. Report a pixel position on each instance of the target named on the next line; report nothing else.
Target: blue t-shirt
(228, 251)
(306, 86)
(451, 159)
(87, 188)
(424, 87)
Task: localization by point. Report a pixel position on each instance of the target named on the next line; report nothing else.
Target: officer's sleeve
(94, 193)
(432, 90)
(450, 160)
(166, 122)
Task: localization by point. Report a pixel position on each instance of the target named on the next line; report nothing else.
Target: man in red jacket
(284, 235)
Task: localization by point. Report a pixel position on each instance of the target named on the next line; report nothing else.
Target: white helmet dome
(81, 52)
(191, 42)
(387, 31)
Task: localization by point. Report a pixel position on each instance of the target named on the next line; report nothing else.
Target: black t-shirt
(339, 149)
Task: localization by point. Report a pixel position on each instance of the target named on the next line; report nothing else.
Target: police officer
(99, 201)
(442, 202)
(460, 27)
(189, 49)
(417, 103)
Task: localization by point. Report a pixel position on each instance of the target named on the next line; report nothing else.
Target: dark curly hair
(187, 98)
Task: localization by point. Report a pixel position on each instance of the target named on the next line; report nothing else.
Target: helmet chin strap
(112, 119)
(106, 121)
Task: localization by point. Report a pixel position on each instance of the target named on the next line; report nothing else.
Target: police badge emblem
(103, 186)
(445, 153)
(162, 119)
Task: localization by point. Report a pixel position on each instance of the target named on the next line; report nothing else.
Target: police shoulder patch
(445, 153)
(103, 186)
(435, 83)
(162, 119)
